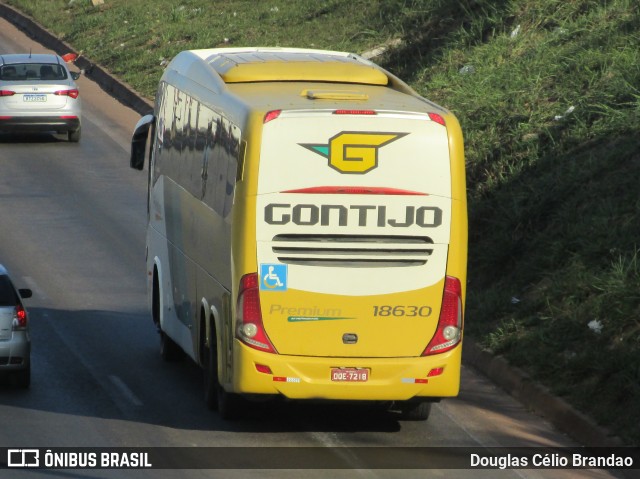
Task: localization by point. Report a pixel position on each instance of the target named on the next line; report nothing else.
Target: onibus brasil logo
(353, 152)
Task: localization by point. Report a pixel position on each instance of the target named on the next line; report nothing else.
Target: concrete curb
(513, 380)
(537, 398)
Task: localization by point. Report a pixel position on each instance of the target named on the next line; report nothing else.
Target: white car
(38, 93)
(15, 341)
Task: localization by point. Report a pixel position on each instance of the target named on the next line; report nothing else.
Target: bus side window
(192, 123)
(177, 135)
(182, 161)
(165, 122)
(221, 165)
(205, 136)
(232, 169)
(191, 164)
(213, 161)
(222, 160)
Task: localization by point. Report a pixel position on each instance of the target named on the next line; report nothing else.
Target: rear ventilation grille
(363, 251)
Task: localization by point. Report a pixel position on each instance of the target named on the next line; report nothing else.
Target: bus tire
(210, 373)
(415, 411)
(169, 350)
(229, 405)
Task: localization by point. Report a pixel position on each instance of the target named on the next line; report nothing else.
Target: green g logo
(354, 152)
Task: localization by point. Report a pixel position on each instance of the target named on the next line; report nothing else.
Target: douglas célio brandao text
(550, 460)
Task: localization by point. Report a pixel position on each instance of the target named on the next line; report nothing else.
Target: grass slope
(547, 92)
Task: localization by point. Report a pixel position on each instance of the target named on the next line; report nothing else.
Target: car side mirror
(25, 293)
(76, 75)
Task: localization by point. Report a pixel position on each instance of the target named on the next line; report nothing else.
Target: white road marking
(125, 391)
(331, 440)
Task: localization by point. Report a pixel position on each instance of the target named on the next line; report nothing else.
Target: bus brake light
(249, 327)
(449, 331)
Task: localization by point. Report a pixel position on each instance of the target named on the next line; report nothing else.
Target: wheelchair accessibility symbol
(273, 277)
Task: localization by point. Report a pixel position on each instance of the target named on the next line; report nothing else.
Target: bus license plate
(350, 374)
(34, 98)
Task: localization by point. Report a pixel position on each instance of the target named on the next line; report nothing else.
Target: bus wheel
(229, 405)
(169, 350)
(210, 373)
(415, 411)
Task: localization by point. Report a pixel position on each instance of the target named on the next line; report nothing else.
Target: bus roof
(265, 79)
(245, 65)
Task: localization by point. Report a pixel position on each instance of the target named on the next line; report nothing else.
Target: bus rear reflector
(249, 327)
(263, 368)
(449, 331)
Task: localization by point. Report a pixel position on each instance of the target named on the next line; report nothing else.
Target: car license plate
(34, 98)
(358, 375)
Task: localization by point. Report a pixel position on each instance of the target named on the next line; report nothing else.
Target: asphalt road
(72, 228)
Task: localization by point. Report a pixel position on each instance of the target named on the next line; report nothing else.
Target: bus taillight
(249, 327)
(449, 330)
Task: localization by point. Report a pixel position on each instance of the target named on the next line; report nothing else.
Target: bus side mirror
(139, 141)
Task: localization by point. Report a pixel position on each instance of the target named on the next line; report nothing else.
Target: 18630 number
(410, 311)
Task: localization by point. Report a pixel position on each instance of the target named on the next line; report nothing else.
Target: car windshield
(7, 293)
(32, 71)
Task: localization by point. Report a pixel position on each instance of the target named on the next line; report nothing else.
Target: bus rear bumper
(388, 379)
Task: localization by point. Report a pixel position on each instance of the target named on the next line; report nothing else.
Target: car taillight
(249, 327)
(20, 318)
(449, 331)
(72, 93)
(7, 93)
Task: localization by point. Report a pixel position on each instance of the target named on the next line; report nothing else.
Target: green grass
(547, 92)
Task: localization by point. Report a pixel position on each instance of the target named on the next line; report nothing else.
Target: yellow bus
(307, 229)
